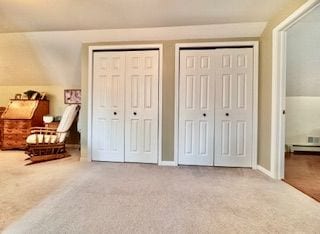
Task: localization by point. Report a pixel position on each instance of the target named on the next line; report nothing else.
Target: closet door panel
(234, 94)
(196, 107)
(142, 74)
(108, 106)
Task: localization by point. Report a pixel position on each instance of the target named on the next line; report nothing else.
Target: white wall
(303, 56)
(303, 80)
(302, 119)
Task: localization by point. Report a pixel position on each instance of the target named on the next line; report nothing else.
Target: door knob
(115, 113)
(227, 114)
(204, 114)
(134, 113)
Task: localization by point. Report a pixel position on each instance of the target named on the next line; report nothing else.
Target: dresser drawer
(13, 145)
(17, 124)
(15, 136)
(16, 131)
(14, 141)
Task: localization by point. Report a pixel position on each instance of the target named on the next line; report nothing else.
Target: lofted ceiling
(61, 15)
(303, 56)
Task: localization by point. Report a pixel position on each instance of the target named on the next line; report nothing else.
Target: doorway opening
(294, 143)
(302, 119)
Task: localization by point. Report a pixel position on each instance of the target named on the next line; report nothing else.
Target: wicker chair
(47, 143)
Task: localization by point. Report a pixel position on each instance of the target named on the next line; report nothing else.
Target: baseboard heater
(305, 148)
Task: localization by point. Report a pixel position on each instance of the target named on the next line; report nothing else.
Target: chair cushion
(38, 138)
(66, 121)
(67, 118)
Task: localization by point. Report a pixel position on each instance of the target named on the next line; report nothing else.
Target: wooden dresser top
(20, 109)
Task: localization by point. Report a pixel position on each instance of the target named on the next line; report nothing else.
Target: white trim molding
(264, 171)
(230, 30)
(167, 163)
(90, 79)
(255, 46)
(279, 87)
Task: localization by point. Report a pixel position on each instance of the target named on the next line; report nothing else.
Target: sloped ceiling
(303, 56)
(40, 41)
(60, 15)
(53, 58)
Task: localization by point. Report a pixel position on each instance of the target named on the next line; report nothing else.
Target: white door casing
(233, 107)
(108, 106)
(196, 109)
(279, 58)
(141, 118)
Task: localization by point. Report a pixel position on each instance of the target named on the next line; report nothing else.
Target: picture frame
(72, 96)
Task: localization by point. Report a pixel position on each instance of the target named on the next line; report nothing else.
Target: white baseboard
(265, 171)
(167, 163)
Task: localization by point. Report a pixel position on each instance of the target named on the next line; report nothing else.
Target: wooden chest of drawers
(2, 109)
(15, 133)
(17, 120)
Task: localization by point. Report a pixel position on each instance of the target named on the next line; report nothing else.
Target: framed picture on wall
(72, 96)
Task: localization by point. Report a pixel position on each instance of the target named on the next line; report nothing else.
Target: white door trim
(255, 45)
(90, 79)
(279, 43)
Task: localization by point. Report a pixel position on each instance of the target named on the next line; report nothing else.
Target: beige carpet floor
(137, 198)
(23, 187)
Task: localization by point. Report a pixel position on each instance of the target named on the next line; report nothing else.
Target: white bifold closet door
(125, 106)
(108, 106)
(215, 107)
(233, 109)
(142, 96)
(196, 107)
